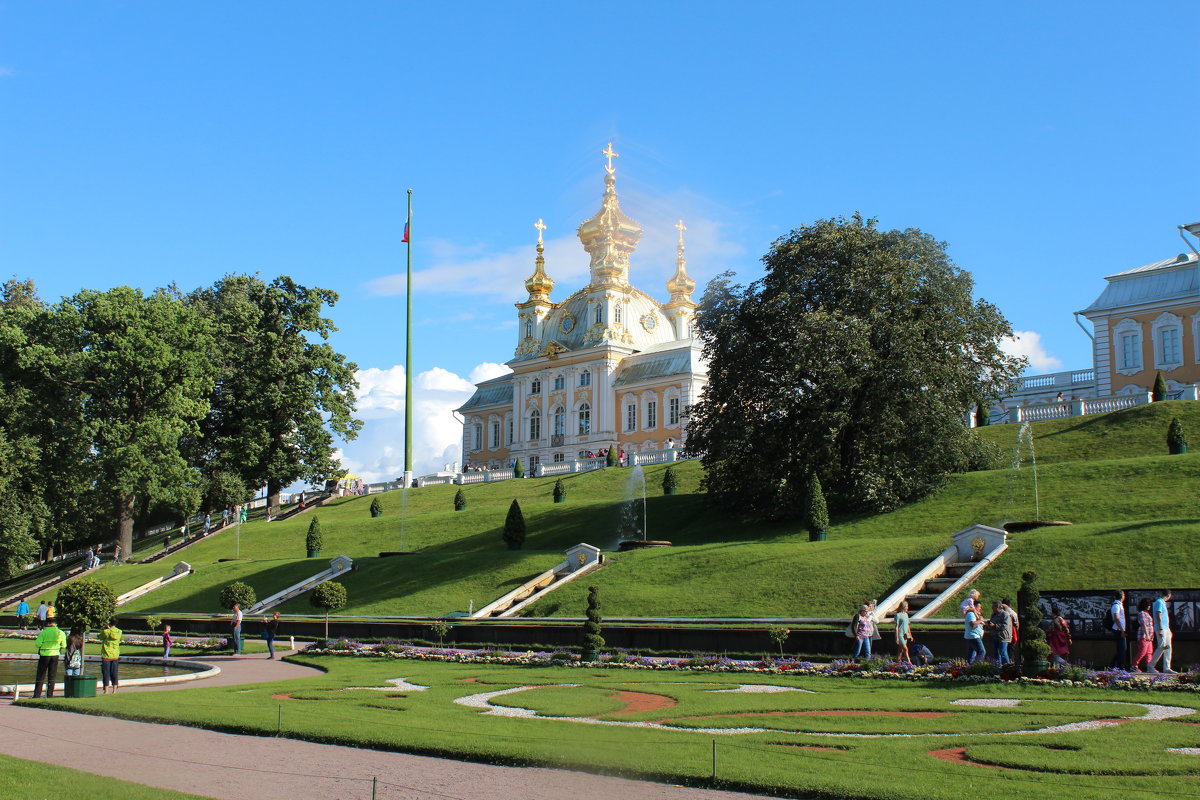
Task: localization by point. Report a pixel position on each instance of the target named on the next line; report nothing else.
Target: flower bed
(876, 669)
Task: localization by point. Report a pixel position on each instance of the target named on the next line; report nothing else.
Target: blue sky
(146, 143)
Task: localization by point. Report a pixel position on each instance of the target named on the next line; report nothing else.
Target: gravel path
(222, 765)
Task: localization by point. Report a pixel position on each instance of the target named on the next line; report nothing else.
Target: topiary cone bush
(1034, 650)
(816, 512)
(1176, 439)
(592, 640)
(518, 469)
(612, 459)
(1159, 392)
(87, 604)
(514, 527)
(670, 483)
(240, 593)
(983, 415)
(328, 596)
(376, 507)
(460, 500)
(560, 491)
(313, 540)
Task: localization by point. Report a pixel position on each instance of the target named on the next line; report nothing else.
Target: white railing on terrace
(1082, 407)
(555, 468)
(1056, 381)
(655, 457)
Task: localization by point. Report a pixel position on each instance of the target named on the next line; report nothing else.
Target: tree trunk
(273, 492)
(125, 525)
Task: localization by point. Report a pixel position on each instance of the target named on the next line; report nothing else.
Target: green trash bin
(81, 686)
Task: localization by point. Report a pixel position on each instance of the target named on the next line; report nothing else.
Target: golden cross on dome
(681, 228)
(541, 226)
(608, 151)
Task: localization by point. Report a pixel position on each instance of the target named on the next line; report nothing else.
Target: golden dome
(539, 284)
(680, 285)
(610, 236)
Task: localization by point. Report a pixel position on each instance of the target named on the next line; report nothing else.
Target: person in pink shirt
(1145, 636)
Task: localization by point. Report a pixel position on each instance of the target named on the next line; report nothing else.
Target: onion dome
(680, 285)
(539, 283)
(610, 236)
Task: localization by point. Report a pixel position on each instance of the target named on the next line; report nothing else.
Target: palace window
(534, 461)
(478, 437)
(560, 421)
(631, 417)
(495, 435)
(672, 412)
(598, 314)
(1168, 341)
(1127, 335)
(535, 386)
(559, 457)
(585, 419)
(510, 431)
(528, 330)
(652, 414)
(617, 313)
(585, 379)
(535, 424)
(558, 383)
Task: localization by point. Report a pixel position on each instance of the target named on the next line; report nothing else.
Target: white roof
(1170, 279)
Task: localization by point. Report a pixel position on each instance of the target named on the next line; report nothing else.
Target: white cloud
(378, 452)
(6, 72)
(1029, 344)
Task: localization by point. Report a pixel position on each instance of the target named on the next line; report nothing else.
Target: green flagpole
(408, 398)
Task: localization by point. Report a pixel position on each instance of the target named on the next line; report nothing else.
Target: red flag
(405, 239)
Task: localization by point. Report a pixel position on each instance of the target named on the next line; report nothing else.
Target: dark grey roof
(635, 370)
(1170, 279)
(497, 390)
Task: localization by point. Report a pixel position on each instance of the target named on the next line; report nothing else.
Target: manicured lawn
(1132, 506)
(32, 780)
(822, 741)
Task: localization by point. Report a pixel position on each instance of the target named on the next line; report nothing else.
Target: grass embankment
(807, 746)
(1132, 507)
(33, 780)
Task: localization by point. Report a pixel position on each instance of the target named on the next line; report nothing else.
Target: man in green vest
(50, 643)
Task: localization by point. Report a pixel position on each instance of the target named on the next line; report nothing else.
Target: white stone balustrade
(1079, 408)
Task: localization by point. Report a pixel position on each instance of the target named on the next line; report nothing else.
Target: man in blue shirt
(973, 633)
(1162, 633)
(23, 613)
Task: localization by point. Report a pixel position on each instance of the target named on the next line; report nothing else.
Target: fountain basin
(19, 670)
(1018, 527)
(641, 544)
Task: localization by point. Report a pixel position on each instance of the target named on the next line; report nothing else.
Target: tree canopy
(854, 359)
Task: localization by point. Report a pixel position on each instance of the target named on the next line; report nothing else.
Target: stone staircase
(340, 565)
(971, 551)
(581, 559)
(933, 588)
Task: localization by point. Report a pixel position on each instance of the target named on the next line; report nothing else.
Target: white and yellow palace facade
(609, 366)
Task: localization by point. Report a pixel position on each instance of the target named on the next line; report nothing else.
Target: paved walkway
(223, 765)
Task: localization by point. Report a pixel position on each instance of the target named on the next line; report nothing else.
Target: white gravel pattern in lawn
(397, 684)
(483, 700)
(1187, 751)
(987, 702)
(760, 688)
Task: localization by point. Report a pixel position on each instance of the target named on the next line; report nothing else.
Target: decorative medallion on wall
(567, 324)
(650, 322)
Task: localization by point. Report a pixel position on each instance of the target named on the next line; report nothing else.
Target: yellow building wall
(1188, 372)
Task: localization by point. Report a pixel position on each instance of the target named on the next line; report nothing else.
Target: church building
(609, 366)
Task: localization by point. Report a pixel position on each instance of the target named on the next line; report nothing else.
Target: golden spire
(610, 236)
(539, 283)
(681, 286)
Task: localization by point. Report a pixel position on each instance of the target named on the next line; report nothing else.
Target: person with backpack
(74, 653)
(1114, 623)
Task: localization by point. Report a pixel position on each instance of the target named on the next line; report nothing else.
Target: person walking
(1060, 638)
(116, 554)
(903, 633)
(270, 630)
(235, 629)
(973, 633)
(1116, 613)
(1162, 634)
(50, 643)
(43, 611)
(207, 522)
(863, 628)
(1145, 637)
(74, 655)
(110, 656)
(23, 614)
(167, 641)
(1000, 625)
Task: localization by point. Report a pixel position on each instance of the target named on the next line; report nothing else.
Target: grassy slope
(1132, 507)
(1127, 761)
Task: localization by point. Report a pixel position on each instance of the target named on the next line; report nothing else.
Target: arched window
(560, 421)
(585, 419)
(630, 403)
(528, 330)
(1127, 344)
(598, 314)
(1168, 341)
(494, 429)
(535, 424)
(617, 313)
(585, 378)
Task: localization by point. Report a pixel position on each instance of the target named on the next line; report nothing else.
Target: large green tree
(135, 369)
(282, 391)
(855, 359)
